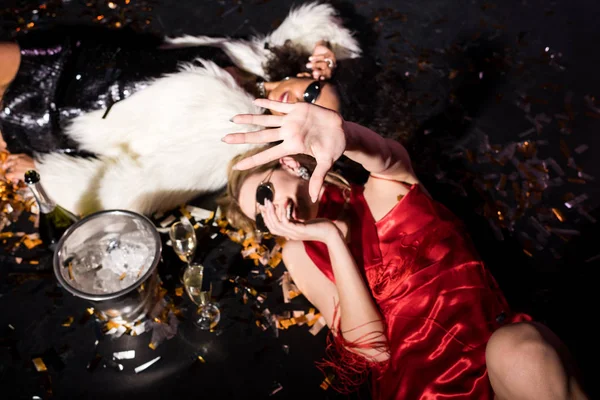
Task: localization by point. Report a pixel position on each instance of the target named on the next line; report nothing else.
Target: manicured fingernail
(232, 119)
(311, 58)
(309, 65)
(224, 139)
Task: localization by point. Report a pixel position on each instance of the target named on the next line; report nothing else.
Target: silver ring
(330, 63)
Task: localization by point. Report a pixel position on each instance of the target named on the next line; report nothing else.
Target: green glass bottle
(54, 220)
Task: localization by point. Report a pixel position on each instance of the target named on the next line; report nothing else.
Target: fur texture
(162, 146)
(304, 26)
(157, 149)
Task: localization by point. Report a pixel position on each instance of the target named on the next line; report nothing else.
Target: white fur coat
(162, 146)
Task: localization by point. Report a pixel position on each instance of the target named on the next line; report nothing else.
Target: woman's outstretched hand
(303, 129)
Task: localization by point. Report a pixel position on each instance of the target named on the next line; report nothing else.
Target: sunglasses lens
(260, 224)
(263, 193)
(312, 92)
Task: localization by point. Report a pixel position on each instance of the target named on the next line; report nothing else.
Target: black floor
(481, 75)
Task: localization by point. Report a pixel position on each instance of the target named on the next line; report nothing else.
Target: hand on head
(280, 224)
(322, 62)
(302, 129)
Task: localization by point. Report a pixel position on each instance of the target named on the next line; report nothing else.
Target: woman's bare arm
(384, 158)
(358, 315)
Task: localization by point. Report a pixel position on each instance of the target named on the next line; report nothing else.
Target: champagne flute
(183, 240)
(208, 314)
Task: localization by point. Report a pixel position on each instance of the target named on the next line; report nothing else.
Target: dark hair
(369, 95)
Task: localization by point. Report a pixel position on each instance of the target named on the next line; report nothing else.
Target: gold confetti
(327, 381)
(558, 214)
(31, 243)
(314, 320)
(39, 364)
(112, 324)
(68, 322)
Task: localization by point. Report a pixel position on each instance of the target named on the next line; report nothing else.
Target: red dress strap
(331, 204)
(362, 232)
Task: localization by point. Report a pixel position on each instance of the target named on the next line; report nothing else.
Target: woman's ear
(289, 164)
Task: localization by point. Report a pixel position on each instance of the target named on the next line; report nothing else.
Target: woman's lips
(284, 97)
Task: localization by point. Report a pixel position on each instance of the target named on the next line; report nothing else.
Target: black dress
(67, 71)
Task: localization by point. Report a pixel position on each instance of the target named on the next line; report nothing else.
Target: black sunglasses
(265, 191)
(312, 92)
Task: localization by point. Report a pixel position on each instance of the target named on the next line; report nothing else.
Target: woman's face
(292, 90)
(290, 193)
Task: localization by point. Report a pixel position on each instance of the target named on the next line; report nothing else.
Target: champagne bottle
(54, 220)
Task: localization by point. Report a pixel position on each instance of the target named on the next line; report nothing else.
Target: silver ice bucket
(110, 258)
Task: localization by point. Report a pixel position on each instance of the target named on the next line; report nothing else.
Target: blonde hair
(229, 201)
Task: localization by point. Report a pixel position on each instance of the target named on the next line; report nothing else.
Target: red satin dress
(439, 303)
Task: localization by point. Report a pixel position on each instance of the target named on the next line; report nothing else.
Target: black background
(425, 40)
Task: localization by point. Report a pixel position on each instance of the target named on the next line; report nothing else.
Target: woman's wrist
(349, 134)
(333, 235)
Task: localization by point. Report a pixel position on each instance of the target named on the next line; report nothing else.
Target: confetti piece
(585, 176)
(138, 329)
(587, 216)
(593, 258)
(558, 214)
(320, 324)
(124, 355)
(167, 221)
(201, 359)
(146, 365)
(327, 381)
(31, 243)
(68, 321)
(277, 389)
(558, 231)
(527, 132)
(39, 365)
(577, 200)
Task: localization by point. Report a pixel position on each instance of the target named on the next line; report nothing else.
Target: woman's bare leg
(527, 361)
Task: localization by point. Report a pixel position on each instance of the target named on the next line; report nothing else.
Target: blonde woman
(392, 271)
